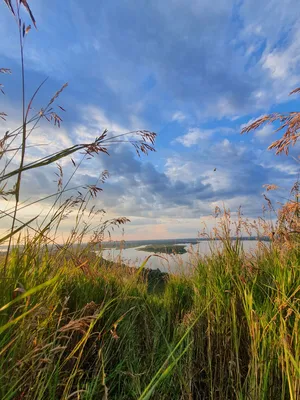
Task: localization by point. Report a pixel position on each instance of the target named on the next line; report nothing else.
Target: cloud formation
(193, 71)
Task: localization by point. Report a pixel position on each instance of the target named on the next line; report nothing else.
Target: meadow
(75, 326)
(85, 330)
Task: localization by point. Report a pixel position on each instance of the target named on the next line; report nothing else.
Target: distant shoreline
(169, 242)
(126, 244)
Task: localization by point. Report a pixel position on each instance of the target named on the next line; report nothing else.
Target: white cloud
(264, 133)
(95, 121)
(194, 136)
(283, 166)
(44, 140)
(96, 118)
(282, 63)
(180, 169)
(178, 116)
(224, 107)
(270, 39)
(277, 65)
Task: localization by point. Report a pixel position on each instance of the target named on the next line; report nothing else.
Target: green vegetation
(162, 248)
(85, 330)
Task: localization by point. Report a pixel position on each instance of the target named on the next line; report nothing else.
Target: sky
(195, 72)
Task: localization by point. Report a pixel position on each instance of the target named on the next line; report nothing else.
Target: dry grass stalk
(288, 122)
(270, 187)
(80, 325)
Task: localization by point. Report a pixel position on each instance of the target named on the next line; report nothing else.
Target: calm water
(173, 263)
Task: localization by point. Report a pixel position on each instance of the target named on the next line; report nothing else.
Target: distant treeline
(171, 242)
(163, 248)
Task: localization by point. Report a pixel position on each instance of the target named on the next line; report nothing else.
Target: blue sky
(192, 71)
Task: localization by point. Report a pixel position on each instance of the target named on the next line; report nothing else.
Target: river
(171, 263)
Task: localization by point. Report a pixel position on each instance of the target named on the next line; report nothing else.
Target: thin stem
(18, 184)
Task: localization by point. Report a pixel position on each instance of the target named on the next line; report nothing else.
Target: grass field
(82, 330)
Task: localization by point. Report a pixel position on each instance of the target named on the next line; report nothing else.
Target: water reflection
(171, 263)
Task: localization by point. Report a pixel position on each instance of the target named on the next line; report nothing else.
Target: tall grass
(228, 331)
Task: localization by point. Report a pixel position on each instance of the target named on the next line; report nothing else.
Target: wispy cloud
(195, 136)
